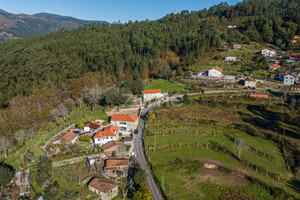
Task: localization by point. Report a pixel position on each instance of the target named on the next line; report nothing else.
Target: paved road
(139, 154)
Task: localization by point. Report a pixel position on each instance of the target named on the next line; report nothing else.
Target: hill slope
(21, 25)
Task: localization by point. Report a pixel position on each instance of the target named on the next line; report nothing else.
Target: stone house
(148, 95)
(117, 146)
(113, 165)
(250, 82)
(103, 188)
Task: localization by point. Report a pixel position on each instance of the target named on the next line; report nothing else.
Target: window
(107, 137)
(111, 137)
(122, 128)
(123, 123)
(98, 140)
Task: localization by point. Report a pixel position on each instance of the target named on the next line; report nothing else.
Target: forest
(44, 77)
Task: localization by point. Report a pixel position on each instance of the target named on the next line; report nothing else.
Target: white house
(289, 79)
(273, 67)
(250, 82)
(230, 58)
(148, 95)
(268, 52)
(127, 123)
(103, 188)
(215, 72)
(200, 74)
(110, 133)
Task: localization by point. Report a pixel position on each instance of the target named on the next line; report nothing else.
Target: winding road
(140, 156)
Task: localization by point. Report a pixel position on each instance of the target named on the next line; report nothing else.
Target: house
(250, 82)
(230, 58)
(295, 56)
(148, 95)
(231, 26)
(93, 126)
(103, 188)
(94, 159)
(275, 76)
(259, 96)
(236, 46)
(289, 79)
(200, 74)
(215, 72)
(68, 138)
(268, 52)
(127, 123)
(117, 146)
(22, 181)
(109, 134)
(295, 87)
(273, 67)
(116, 164)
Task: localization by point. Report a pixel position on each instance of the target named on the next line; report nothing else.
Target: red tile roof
(116, 162)
(249, 79)
(111, 144)
(263, 96)
(151, 91)
(218, 68)
(111, 168)
(271, 49)
(295, 54)
(102, 185)
(274, 65)
(95, 125)
(68, 137)
(109, 131)
(124, 118)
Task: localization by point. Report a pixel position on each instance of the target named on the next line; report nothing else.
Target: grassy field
(205, 124)
(165, 86)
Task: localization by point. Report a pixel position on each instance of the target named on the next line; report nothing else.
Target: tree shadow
(295, 184)
(269, 120)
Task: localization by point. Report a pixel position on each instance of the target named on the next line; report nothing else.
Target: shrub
(80, 125)
(84, 138)
(41, 144)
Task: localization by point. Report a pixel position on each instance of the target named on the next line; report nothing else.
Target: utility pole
(154, 142)
(162, 181)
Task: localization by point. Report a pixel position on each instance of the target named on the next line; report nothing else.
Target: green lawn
(165, 86)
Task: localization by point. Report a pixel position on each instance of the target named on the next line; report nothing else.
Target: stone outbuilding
(103, 188)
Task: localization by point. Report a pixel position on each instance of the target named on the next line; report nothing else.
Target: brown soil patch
(219, 178)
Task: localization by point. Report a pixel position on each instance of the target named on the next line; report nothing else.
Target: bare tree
(20, 135)
(241, 146)
(5, 144)
(79, 101)
(92, 96)
(61, 111)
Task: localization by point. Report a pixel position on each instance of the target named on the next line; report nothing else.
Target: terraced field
(179, 141)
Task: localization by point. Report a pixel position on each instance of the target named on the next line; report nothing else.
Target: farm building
(103, 188)
(148, 95)
(117, 146)
(250, 82)
(259, 96)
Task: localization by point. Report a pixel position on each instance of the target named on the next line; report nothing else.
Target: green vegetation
(6, 174)
(165, 86)
(207, 130)
(84, 138)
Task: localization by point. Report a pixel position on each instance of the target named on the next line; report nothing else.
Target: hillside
(21, 25)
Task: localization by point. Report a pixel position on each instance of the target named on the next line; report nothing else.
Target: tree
(43, 173)
(69, 104)
(140, 177)
(165, 72)
(5, 144)
(92, 96)
(186, 98)
(200, 100)
(150, 115)
(240, 145)
(84, 138)
(52, 191)
(80, 125)
(292, 104)
(143, 193)
(20, 135)
(6, 174)
(79, 101)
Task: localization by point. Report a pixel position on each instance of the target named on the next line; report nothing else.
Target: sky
(108, 10)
